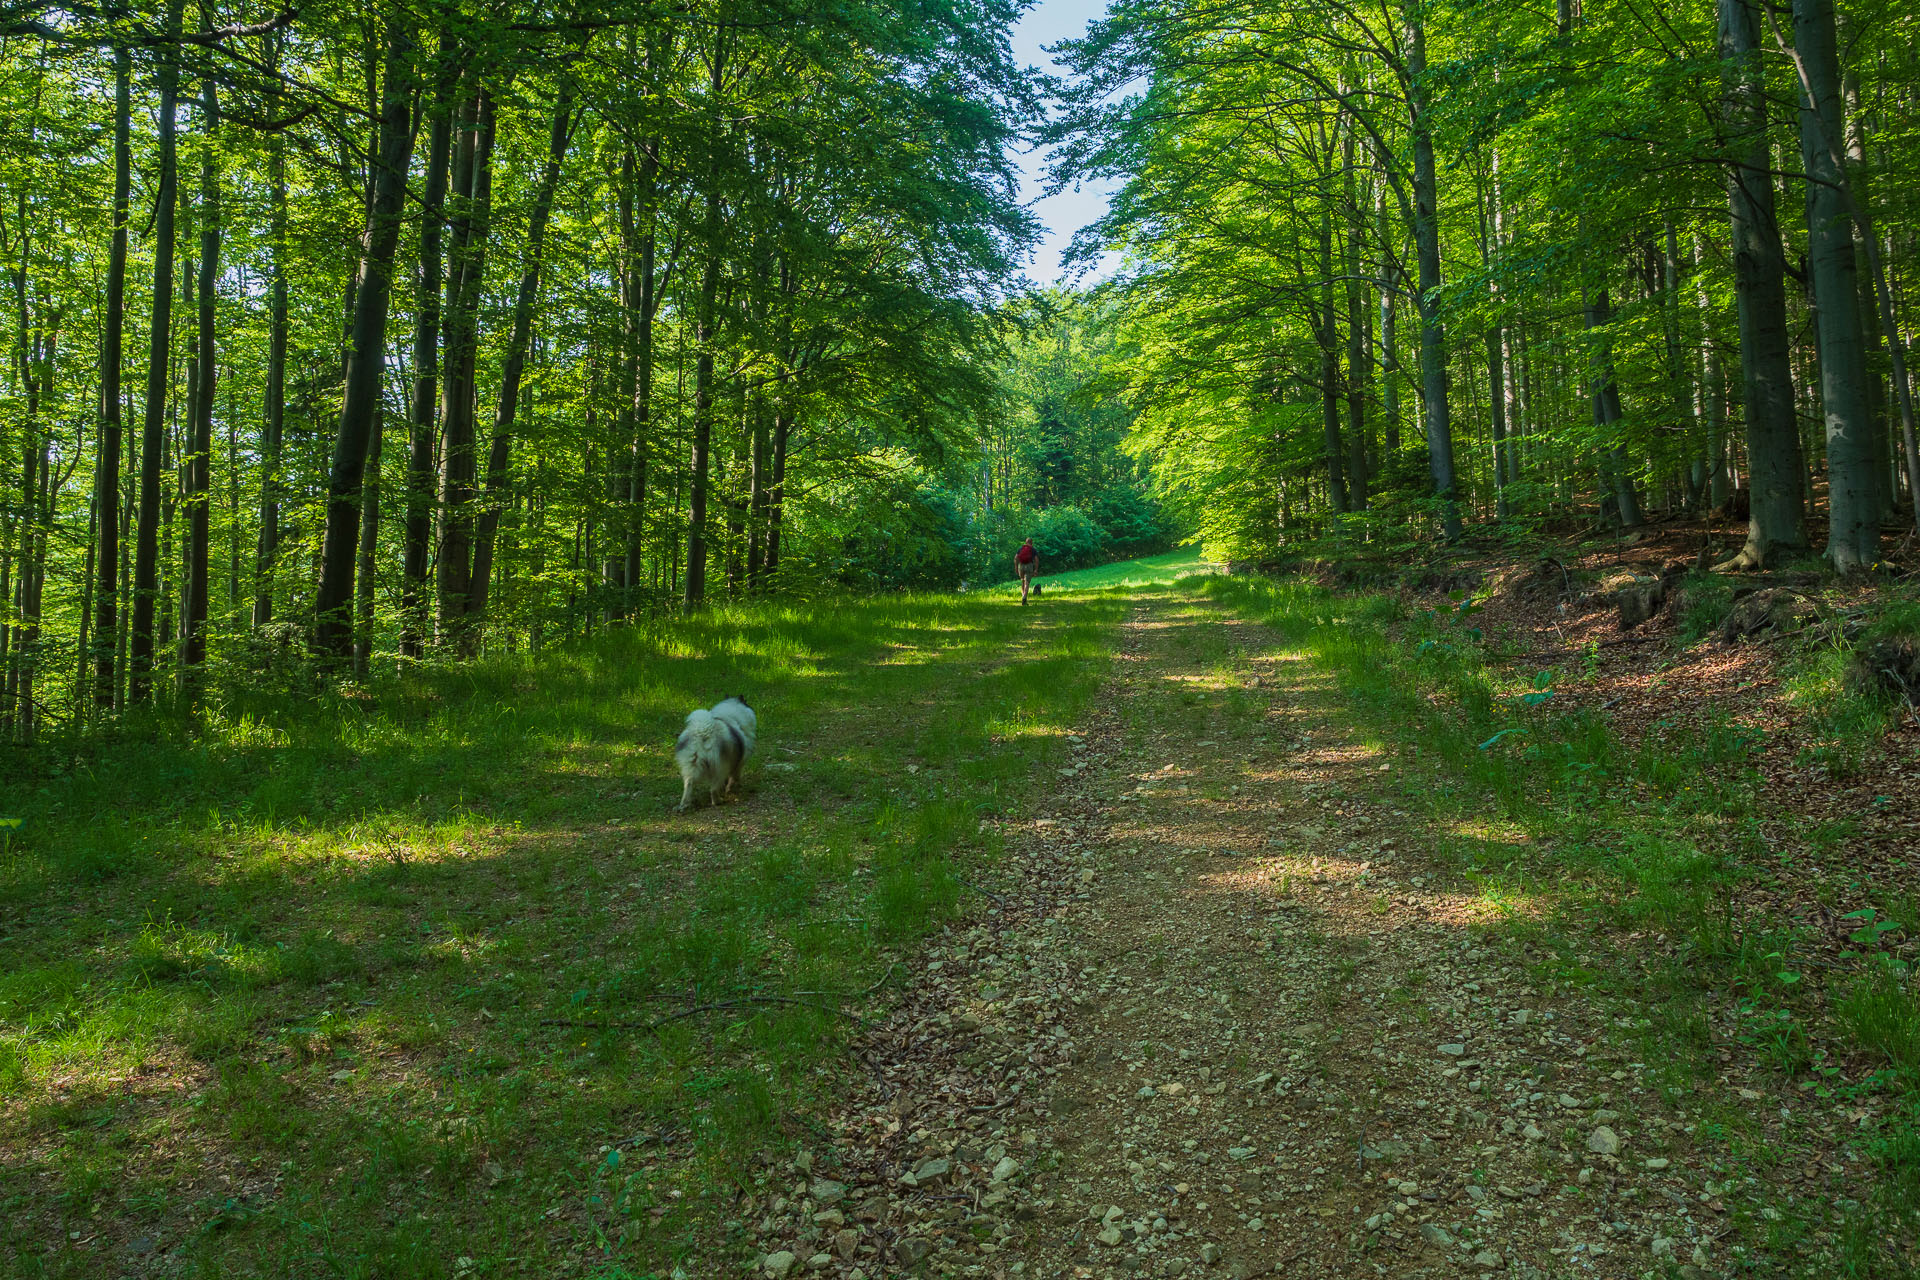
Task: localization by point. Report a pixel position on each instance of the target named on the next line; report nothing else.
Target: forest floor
(1228, 927)
(1277, 987)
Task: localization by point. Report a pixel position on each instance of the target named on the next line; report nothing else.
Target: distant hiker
(1028, 562)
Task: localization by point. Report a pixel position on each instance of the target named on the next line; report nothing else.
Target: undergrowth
(1653, 839)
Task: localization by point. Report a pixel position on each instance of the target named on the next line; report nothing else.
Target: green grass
(1149, 571)
(1604, 844)
(355, 986)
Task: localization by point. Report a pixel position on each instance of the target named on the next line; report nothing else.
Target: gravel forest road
(1224, 1017)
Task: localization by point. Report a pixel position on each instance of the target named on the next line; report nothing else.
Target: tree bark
(416, 557)
(146, 555)
(473, 196)
(106, 487)
(694, 586)
(366, 363)
(1329, 336)
(199, 496)
(1776, 509)
(369, 543)
(1607, 415)
(1426, 234)
(1853, 539)
(514, 369)
(1359, 358)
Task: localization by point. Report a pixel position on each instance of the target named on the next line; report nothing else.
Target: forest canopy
(418, 329)
(1392, 269)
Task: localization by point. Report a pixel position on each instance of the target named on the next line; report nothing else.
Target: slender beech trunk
(274, 418)
(1496, 339)
(366, 362)
(1713, 397)
(756, 488)
(417, 556)
(199, 496)
(1426, 234)
(514, 369)
(1329, 336)
(642, 355)
(146, 556)
(106, 487)
(694, 585)
(459, 465)
(1607, 414)
(783, 402)
(616, 572)
(1359, 359)
(369, 544)
(1853, 539)
(1389, 350)
(1777, 511)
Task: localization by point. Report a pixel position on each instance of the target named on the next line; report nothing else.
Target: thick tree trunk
(146, 556)
(499, 456)
(1777, 512)
(1426, 234)
(366, 363)
(106, 487)
(1853, 539)
(199, 497)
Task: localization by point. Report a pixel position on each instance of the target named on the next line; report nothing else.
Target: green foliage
(469, 878)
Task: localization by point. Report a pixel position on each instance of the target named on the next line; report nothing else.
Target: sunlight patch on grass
(354, 917)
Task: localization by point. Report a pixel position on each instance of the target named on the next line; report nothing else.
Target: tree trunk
(418, 553)
(193, 653)
(1359, 358)
(1426, 234)
(1776, 509)
(516, 362)
(369, 544)
(1853, 540)
(1607, 414)
(695, 585)
(473, 195)
(146, 556)
(1330, 372)
(616, 572)
(366, 363)
(106, 486)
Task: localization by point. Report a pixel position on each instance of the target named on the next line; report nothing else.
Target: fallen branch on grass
(682, 1014)
(737, 1002)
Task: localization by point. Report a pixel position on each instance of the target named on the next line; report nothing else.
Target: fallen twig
(968, 884)
(681, 1014)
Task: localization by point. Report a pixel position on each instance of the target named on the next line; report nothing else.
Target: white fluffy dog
(712, 749)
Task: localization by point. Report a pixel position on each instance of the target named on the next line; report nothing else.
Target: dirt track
(1226, 1018)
